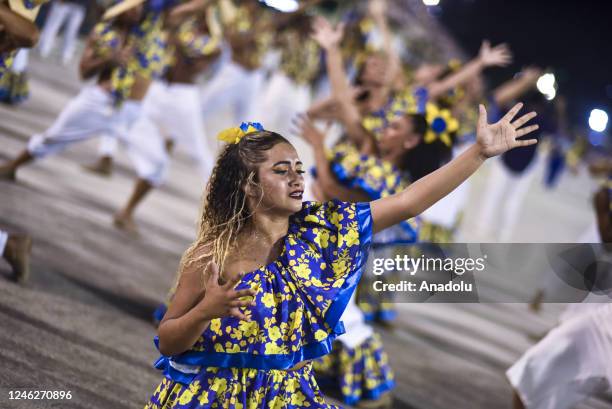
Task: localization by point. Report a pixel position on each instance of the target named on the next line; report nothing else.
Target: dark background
(573, 38)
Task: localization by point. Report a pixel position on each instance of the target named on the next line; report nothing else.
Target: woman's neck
(267, 228)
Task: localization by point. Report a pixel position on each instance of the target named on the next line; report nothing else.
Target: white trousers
(62, 13)
(233, 88)
(281, 100)
(571, 364)
(170, 111)
(88, 115)
(20, 63)
(3, 239)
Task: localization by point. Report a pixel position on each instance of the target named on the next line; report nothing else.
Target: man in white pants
(172, 111)
(92, 111)
(67, 13)
(106, 107)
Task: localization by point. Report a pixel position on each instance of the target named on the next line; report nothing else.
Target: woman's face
(397, 138)
(281, 180)
(374, 71)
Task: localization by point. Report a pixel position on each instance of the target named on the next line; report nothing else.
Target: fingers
(512, 113)
(213, 277)
(235, 312)
(231, 283)
(482, 116)
(340, 28)
(519, 144)
(524, 119)
(249, 292)
(241, 304)
(526, 130)
(485, 46)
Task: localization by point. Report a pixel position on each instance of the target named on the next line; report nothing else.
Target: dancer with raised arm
(262, 288)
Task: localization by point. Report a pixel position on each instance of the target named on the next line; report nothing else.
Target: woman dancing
(236, 339)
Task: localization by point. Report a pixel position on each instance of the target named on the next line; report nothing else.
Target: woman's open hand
(306, 128)
(495, 139)
(223, 300)
(325, 34)
(500, 55)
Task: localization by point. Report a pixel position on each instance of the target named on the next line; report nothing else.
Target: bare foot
(17, 253)
(7, 173)
(125, 223)
(103, 167)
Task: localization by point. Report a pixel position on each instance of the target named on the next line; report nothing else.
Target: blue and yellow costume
(193, 44)
(149, 59)
(238, 20)
(377, 178)
(300, 58)
(13, 85)
(360, 373)
(300, 298)
(407, 101)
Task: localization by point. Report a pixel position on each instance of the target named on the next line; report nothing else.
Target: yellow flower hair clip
(441, 124)
(236, 133)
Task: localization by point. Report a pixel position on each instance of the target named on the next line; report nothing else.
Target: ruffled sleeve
(340, 233)
(299, 297)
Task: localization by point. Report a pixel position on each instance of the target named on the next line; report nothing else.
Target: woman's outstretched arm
(492, 139)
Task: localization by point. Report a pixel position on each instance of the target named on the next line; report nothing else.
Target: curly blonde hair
(225, 212)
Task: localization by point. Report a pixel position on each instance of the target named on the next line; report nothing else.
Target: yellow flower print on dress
(300, 299)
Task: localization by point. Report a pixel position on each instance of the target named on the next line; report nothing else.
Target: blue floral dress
(300, 298)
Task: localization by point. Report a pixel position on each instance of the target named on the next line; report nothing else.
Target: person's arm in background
(92, 64)
(325, 179)
(378, 11)
(329, 39)
(498, 56)
(492, 140)
(22, 32)
(190, 8)
(511, 90)
(324, 109)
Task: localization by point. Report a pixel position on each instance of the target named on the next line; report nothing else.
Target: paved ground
(82, 323)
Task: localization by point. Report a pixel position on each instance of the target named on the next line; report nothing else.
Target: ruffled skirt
(362, 373)
(242, 388)
(14, 87)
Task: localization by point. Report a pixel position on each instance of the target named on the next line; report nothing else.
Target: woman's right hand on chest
(223, 300)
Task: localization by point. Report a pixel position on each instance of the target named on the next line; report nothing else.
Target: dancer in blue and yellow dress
(232, 339)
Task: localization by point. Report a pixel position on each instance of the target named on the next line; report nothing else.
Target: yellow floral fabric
(300, 298)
